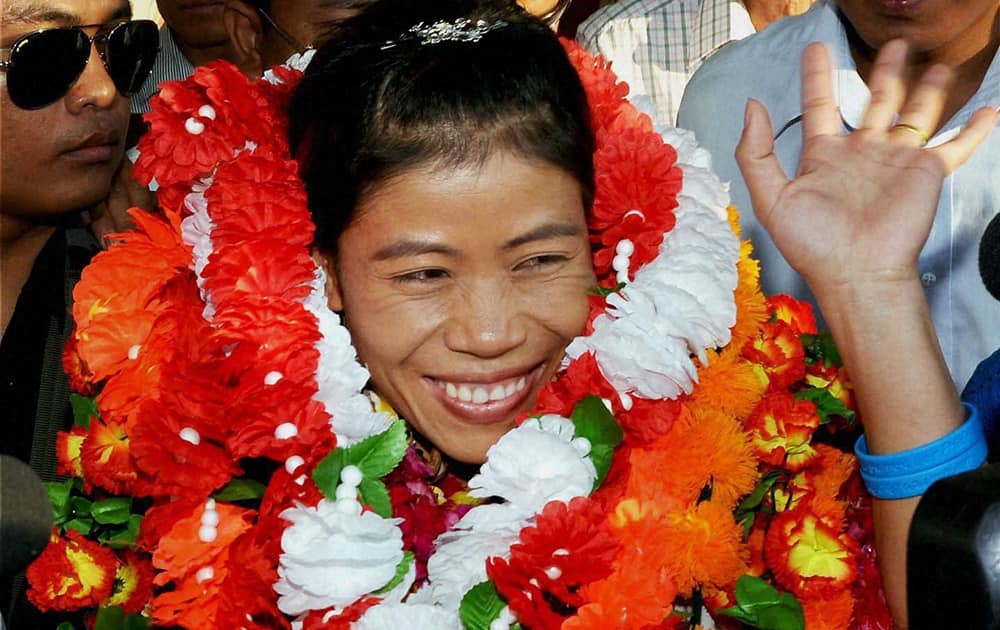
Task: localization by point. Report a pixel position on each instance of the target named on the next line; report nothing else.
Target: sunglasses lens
(44, 65)
(130, 52)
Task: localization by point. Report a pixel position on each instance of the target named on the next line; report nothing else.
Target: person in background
(193, 34)
(656, 46)
(873, 194)
(63, 120)
(963, 35)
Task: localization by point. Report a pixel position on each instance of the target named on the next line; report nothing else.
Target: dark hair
(376, 101)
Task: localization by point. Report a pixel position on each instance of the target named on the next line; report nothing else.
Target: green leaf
(122, 537)
(593, 421)
(84, 408)
(752, 501)
(137, 622)
(759, 605)
(82, 525)
(80, 506)
(110, 618)
(240, 490)
(600, 291)
(480, 606)
(379, 454)
(401, 570)
(59, 492)
(601, 455)
(374, 494)
(326, 475)
(820, 348)
(113, 511)
(65, 626)
(827, 404)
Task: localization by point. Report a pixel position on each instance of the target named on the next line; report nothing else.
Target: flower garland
(656, 485)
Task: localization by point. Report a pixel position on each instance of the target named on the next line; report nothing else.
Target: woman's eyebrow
(544, 232)
(400, 249)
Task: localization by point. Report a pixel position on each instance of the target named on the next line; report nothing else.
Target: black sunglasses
(42, 66)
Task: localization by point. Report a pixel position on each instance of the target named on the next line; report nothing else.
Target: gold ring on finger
(917, 131)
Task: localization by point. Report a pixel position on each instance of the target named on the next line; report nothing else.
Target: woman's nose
(487, 321)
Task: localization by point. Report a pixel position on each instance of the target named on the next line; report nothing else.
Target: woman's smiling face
(461, 288)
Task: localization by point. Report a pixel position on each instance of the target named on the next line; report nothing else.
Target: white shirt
(170, 65)
(766, 67)
(656, 45)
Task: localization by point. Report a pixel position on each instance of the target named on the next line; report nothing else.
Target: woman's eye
(541, 262)
(422, 275)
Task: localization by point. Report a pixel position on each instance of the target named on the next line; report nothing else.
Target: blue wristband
(909, 473)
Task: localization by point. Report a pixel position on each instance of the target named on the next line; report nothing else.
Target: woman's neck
(969, 56)
(21, 242)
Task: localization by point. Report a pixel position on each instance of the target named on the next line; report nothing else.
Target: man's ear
(246, 36)
(328, 263)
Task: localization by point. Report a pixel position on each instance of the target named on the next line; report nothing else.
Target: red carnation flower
(778, 355)
(133, 583)
(253, 197)
(262, 268)
(173, 455)
(781, 429)
(72, 573)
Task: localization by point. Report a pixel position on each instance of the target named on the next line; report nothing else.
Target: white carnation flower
(459, 563)
(410, 616)
(533, 464)
(331, 557)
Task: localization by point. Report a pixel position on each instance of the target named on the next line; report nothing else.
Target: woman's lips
(900, 7)
(485, 401)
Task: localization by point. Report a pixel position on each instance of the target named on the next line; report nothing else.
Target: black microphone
(25, 515)
(989, 257)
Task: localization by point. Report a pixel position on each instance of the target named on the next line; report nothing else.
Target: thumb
(761, 170)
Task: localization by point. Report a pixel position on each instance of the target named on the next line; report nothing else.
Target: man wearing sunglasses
(67, 69)
(265, 33)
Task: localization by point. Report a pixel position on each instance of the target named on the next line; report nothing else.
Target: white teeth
(482, 394)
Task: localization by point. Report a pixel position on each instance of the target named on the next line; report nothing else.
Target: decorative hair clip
(459, 30)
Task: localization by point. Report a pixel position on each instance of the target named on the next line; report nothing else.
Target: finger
(760, 166)
(888, 86)
(956, 151)
(102, 224)
(920, 115)
(819, 109)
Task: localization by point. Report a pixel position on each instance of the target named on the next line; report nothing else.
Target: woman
(448, 156)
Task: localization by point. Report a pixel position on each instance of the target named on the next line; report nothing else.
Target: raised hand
(862, 204)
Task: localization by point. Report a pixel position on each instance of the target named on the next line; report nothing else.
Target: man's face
(305, 20)
(196, 23)
(928, 25)
(61, 158)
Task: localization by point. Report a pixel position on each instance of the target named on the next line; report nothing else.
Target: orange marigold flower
(72, 573)
(639, 592)
(133, 585)
(831, 470)
(703, 546)
(751, 307)
(778, 355)
(728, 383)
(781, 429)
(704, 448)
(808, 550)
(796, 313)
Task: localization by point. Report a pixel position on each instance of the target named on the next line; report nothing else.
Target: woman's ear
(328, 263)
(246, 36)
